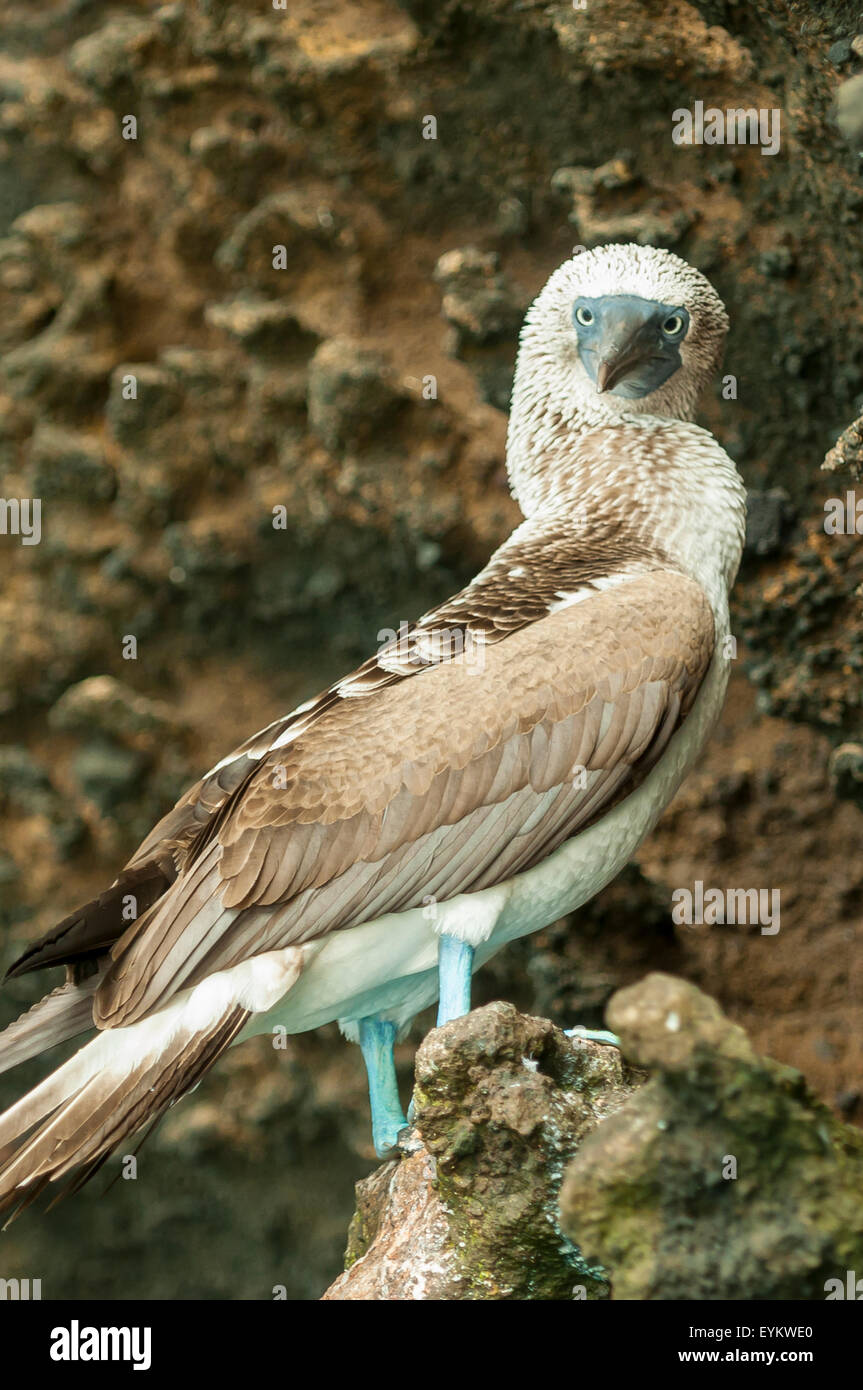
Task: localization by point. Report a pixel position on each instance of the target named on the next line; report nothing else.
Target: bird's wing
(428, 787)
(89, 932)
(521, 582)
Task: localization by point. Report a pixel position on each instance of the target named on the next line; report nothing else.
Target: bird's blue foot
(600, 1035)
(376, 1042)
(455, 963)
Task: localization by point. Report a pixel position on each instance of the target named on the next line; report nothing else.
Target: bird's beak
(628, 342)
(619, 357)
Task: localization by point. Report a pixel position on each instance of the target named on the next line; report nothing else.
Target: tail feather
(127, 1077)
(59, 1016)
(87, 1125)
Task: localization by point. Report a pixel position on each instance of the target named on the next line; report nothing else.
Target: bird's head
(620, 330)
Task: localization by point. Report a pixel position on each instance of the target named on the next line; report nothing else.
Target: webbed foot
(600, 1035)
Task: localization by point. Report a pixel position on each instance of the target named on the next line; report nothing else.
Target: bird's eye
(584, 316)
(672, 325)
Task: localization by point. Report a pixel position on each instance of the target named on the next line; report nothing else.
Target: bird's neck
(637, 484)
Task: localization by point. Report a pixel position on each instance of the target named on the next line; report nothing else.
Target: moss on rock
(724, 1177)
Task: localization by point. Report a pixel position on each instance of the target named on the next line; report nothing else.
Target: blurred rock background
(168, 394)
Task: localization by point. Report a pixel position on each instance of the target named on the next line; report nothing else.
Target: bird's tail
(59, 1016)
(127, 1077)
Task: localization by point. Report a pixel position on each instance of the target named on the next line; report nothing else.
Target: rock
(723, 1177)
(805, 656)
(513, 218)
(477, 301)
(352, 392)
(484, 313)
(27, 790)
(276, 397)
(156, 399)
(180, 424)
(69, 465)
(262, 325)
(846, 772)
(847, 452)
(209, 381)
(9, 871)
(106, 773)
(24, 784)
(839, 53)
(241, 157)
(50, 228)
(112, 54)
(65, 365)
(502, 1102)
(612, 202)
(849, 110)
(701, 48)
(109, 707)
(305, 226)
(769, 519)
(778, 262)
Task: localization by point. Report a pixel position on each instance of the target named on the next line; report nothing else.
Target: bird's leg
(455, 963)
(600, 1035)
(376, 1042)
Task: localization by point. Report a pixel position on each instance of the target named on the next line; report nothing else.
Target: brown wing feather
(514, 590)
(343, 822)
(90, 931)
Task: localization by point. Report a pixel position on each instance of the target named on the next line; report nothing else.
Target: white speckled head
(555, 395)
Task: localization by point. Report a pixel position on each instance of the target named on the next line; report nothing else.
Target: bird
(485, 772)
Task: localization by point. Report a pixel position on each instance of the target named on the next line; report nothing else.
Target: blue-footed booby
(488, 771)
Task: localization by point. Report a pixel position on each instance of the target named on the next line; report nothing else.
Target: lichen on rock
(502, 1102)
(723, 1177)
(720, 1176)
